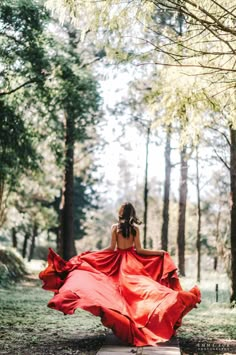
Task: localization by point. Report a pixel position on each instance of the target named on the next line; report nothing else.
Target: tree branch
(222, 160)
(33, 80)
(222, 133)
(190, 66)
(10, 37)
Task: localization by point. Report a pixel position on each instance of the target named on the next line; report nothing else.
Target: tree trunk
(32, 246)
(59, 239)
(67, 205)
(199, 215)
(14, 238)
(233, 211)
(146, 193)
(166, 197)
(25, 243)
(218, 250)
(2, 209)
(182, 211)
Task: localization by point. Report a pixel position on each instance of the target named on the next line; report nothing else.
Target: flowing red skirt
(138, 297)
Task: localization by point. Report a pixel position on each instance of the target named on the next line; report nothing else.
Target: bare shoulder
(136, 228)
(114, 227)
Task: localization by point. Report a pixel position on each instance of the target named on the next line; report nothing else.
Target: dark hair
(127, 218)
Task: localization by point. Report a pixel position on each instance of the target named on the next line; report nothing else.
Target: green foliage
(84, 199)
(17, 150)
(23, 58)
(73, 88)
(43, 77)
(12, 267)
(23, 67)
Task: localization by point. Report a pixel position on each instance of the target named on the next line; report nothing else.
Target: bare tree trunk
(2, 209)
(217, 239)
(146, 192)
(199, 215)
(25, 243)
(233, 211)
(67, 206)
(3, 201)
(32, 246)
(166, 197)
(59, 239)
(182, 211)
(14, 238)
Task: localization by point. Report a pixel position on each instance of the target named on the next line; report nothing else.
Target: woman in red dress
(135, 291)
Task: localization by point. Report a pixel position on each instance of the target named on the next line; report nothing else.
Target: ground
(29, 327)
(209, 329)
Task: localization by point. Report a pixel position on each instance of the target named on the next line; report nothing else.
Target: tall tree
(199, 219)
(17, 152)
(146, 190)
(44, 79)
(76, 99)
(67, 203)
(183, 187)
(233, 210)
(23, 65)
(166, 196)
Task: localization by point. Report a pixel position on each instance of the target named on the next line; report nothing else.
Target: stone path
(113, 345)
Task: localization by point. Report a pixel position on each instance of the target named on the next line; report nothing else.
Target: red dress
(138, 297)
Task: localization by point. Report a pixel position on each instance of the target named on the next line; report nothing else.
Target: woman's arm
(143, 251)
(113, 239)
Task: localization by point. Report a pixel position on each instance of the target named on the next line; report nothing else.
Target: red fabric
(138, 297)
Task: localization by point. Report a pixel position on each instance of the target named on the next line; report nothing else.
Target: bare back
(117, 240)
(122, 242)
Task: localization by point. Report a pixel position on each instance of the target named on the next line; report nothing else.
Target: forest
(104, 102)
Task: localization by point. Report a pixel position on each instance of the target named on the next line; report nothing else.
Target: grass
(29, 327)
(210, 329)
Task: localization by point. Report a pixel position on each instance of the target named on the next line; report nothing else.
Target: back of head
(127, 219)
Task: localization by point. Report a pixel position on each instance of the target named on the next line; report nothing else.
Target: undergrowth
(12, 267)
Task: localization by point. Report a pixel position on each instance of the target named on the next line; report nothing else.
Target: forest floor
(28, 327)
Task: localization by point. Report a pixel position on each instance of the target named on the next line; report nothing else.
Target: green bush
(12, 267)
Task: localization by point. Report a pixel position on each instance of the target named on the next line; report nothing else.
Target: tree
(233, 210)
(166, 196)
(76, 99)
(85, 199)
(199, 219)
(209, 35)
(146, 191)
(23, 63)
(59, 86)
(23, 59)
(17, 153)
(182, 210)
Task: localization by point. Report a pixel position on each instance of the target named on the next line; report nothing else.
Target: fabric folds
(139, 297)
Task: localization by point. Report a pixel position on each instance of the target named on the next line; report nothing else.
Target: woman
(125, 234)
(135, 291)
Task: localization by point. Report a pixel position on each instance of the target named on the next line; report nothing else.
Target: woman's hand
(162, 252)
